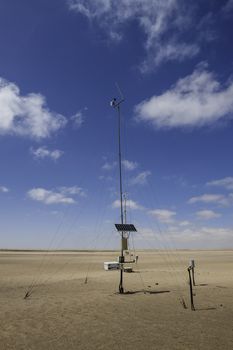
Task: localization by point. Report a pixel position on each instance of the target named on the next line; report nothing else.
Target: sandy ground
(65, 313)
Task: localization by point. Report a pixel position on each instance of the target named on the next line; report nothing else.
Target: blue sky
(59, 61)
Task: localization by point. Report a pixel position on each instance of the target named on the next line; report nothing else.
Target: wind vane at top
(114, 103)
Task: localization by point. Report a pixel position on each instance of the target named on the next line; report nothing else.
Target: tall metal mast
(116, 105)
(123, 228)
(125, 210)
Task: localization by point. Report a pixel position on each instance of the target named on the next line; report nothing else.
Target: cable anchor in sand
(27, 294)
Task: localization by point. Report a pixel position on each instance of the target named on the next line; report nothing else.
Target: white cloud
(191, 237)
(141, 178)
(4, 189)
(217, 231)
(146, 233)
(128, 165)
(170, 51)
(194, 101)
(105, 178)
(226, 182)
(26, 115)
(184, 223)
(73, 190)
(44, 152)
(202, 237)
(90, 9)
(61, 195)
(163, 215)
(163, 23)
(210, 198)
(77, 119)
(207, 29)
(130, 204)
(207, 214)
(109, 166)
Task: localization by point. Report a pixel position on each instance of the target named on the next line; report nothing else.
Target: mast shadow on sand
(205, 308)
(129, 292)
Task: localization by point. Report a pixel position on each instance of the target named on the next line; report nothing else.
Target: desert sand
(63, 312)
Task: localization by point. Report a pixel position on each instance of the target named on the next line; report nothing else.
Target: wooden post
(191, 288)
(193, 276)
(192, 265)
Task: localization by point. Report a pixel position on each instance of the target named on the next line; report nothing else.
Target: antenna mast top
(114, 103)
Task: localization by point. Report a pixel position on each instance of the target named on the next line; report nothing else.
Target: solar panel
(125, 227)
